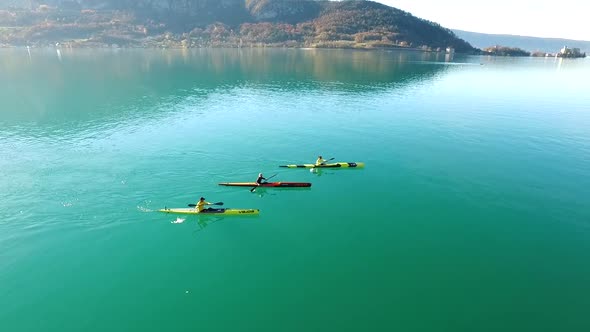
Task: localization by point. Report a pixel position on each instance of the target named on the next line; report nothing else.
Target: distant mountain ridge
(220, 23)
(531, 44)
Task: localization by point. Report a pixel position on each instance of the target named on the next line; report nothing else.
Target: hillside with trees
(219, 23)
(505, 51)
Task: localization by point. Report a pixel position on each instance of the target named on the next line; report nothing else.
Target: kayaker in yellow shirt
(320, 161)
(201, 204)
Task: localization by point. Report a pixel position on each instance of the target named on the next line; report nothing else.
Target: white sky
(537, 18)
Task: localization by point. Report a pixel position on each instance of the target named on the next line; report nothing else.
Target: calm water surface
(471, 214)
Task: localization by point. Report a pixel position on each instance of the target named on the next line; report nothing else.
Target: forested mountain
(213, 23)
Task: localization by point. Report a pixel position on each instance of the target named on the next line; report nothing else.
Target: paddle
(252, 190)
(218, 203)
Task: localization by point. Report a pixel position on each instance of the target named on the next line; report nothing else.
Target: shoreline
(118, 47)
(67, 46)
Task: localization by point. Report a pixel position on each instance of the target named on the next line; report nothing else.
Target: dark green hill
(219, 23)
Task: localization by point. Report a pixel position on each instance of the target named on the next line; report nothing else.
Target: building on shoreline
(566, 52)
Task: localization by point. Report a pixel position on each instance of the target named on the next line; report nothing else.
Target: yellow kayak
(328, 165)
(210, 211)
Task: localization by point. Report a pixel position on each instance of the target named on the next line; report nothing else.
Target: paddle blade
(192, 205)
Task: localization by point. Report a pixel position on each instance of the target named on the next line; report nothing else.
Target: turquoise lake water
(472, 213)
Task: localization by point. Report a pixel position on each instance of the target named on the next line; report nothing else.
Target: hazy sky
(539, 18)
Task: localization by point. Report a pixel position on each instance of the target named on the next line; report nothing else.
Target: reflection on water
(90, 85)
(261, 192)
(264, 191)
(204, 221)
(317, 171)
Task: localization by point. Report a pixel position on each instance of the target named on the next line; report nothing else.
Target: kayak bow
(328, 165)
(268, 184)
(211, 211)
